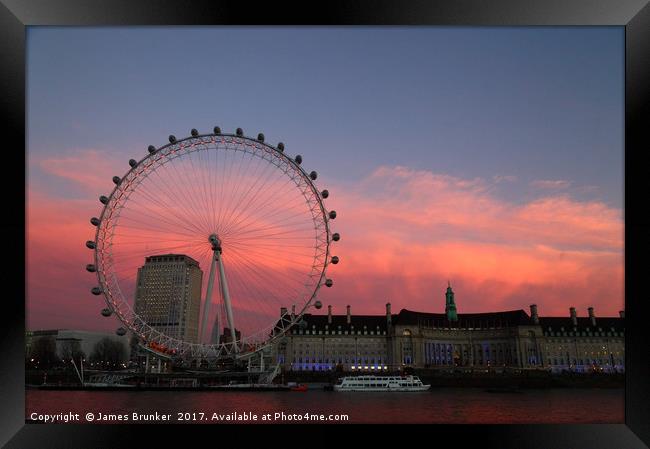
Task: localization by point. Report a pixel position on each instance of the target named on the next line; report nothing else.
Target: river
(440, 405)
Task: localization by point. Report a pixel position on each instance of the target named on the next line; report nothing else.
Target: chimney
(329, 314)
(533, 313)
(592, 317)
(574, 317)
(388, 314)
(621, 313)
(293, 311)
(349, 317)
(283, 311)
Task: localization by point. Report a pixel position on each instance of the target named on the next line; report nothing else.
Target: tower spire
(450, 305)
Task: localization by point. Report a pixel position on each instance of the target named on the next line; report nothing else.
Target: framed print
(359, 213)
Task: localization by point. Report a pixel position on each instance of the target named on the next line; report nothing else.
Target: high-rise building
(168, 295)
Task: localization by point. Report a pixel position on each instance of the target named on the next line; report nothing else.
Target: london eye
(245, 213)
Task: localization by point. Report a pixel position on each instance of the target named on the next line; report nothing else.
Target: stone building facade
(492, 340)
(584, 343)
(322, 342)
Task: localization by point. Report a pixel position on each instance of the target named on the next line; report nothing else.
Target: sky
(489, 157)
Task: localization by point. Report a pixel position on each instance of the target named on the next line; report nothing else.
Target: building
(68, 340)
(225, 337)
(492, 340)
(322, 342)
(168, 295)
(580, 343)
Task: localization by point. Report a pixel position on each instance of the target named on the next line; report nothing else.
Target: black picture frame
(634, 15)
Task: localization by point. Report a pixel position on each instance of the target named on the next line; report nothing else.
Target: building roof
(509, 318)
(159, 257)
(555, 324)
(357, 322)
(411, 318)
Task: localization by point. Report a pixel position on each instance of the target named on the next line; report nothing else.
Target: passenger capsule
(329, 283)
(91, 268)
(172, 138)
(90, 244)
(106, 312)
(298, 159)
(239, 132)
(103, 199)
(96, 291)
(333, 214)
(94, 221)
(120, 331)
(133, 163)
(336, 236)
(194, 132)
(151, 149)
(318, 305)
(325, 193)
(216, 130)
(116, 179)
(260, 137)
(281, 147)
(335, 259)
(313, 175)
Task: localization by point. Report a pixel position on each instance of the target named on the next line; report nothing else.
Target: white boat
(381, 383)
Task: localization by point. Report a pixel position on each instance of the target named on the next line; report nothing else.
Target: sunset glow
(404, 234)
(499, 171)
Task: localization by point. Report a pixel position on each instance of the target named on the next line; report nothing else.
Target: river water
(441, 405)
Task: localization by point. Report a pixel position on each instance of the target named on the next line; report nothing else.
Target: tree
(108, 354)
(43, 352)
(71, 349)
(136, 351)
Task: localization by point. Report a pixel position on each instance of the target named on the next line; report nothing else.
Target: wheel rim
(253, 246)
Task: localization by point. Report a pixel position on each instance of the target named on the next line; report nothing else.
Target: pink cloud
(58, 286)
(504, 178)
(551, 184)
(88, 168)
(404, 233)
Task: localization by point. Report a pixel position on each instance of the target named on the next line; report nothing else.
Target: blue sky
(536, 103)
(489, 156)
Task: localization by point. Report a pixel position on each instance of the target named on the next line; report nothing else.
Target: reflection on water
(448, 405)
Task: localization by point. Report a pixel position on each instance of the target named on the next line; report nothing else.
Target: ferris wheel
(209, 233)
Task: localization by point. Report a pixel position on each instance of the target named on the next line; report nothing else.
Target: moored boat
(381, 383)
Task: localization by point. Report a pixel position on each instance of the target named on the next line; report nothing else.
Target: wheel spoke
(272, 228)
